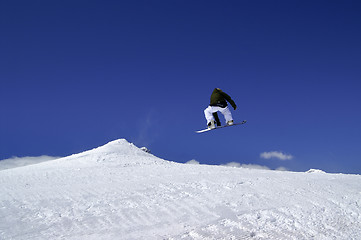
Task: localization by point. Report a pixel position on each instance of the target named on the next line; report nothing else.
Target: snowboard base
(208, 129)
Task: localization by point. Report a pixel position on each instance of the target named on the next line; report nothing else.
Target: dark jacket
(219, 98)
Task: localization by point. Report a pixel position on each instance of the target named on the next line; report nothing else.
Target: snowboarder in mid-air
(219, 104)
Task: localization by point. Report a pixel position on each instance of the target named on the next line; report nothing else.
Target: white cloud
(255, 166)
(192, 162)
(250, 166)
(281, 169)
(233, 164)
(275, 154)
(23, 161)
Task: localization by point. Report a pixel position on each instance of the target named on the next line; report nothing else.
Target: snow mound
(120, 147)
(118, 152)
(118, 191)
(315, 171)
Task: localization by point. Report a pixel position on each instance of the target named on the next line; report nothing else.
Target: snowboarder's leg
(208, 113)
(227, 115)
(216, 118)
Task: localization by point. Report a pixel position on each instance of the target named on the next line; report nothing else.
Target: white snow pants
(208, 113)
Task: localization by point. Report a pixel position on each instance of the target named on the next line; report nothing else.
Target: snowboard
(208, 129)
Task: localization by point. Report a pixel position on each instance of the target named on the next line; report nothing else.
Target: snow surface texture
(118, 191)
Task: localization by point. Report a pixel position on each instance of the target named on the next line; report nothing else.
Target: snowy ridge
(118, 191)
(315, 171)
(116, 150)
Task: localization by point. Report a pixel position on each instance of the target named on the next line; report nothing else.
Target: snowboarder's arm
(229, 99)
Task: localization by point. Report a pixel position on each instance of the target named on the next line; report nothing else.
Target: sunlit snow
(118, 191)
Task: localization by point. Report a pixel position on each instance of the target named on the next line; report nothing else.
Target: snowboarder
(219, 104)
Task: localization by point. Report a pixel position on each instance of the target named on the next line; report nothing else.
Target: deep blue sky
(77, 74)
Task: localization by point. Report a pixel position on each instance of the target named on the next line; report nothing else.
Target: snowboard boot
(211, 125)
(230, 123)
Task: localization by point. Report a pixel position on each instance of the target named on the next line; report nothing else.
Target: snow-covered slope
(118, 191)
